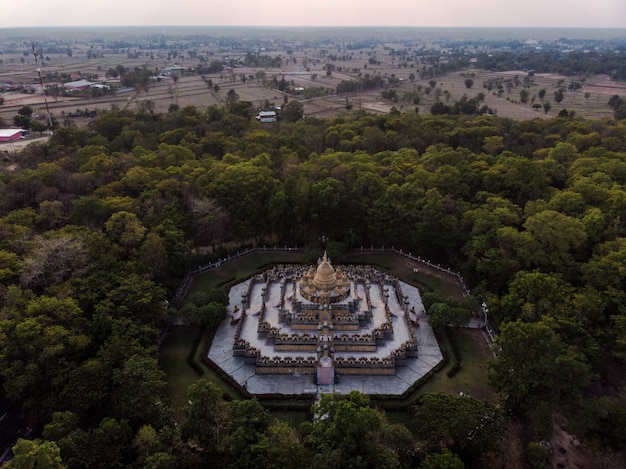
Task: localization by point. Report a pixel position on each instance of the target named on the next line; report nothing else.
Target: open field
(589, 102)
(303, 66)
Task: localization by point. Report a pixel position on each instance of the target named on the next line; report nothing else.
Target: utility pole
(43, 91)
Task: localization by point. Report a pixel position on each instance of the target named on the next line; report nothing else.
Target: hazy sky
(430, 13)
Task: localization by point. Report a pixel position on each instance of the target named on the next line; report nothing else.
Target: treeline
(465, 105)
(262, 60)
(590, 62)
(98, 229)
(367, 82)
(437, 67)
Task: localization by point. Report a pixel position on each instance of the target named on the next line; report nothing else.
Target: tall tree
(208, 416)
(292, 111)
(346, 433)
(467, 426)
(246, 444)
(556, 241)
(536, 364)
(35, 454)
(138, 390)
(38, 349)
(443, 460)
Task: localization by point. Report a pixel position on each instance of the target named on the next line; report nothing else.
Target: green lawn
(395, 264)
(425, 279)
(173, 360)
(472, 377)
(241, 269)
(427, 283)
(178, 342)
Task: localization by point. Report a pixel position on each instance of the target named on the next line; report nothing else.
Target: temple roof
(325, 276)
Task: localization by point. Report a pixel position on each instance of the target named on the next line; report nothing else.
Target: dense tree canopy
(98, 229)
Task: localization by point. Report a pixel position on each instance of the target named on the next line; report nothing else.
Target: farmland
(308, 64)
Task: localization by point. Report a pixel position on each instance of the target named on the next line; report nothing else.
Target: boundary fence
(483, 310)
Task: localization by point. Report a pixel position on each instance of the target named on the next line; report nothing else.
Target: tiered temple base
(327, 323)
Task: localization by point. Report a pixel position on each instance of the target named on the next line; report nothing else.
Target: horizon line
(303, 26)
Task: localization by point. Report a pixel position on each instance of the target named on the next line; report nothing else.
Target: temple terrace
(308, 330)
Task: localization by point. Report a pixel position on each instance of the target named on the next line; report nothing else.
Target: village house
(267, 116)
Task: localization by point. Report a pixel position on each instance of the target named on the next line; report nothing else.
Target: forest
(100, 225)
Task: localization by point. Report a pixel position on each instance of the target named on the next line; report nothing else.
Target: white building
(267, 116)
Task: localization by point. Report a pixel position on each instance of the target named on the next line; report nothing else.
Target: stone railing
(188, 279)
(242, 348)
(357, 272)
(365, 362)
(203, 268)
(382, 331)
(265, 329)
(345, 318)
(356, 339)
(240, 326)
(398, 288)
(305, 318)
(407, 349)
(454, 275)
(286, 361)
(411, 329)
(296, 339)
(385, 329)
(241, 344)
